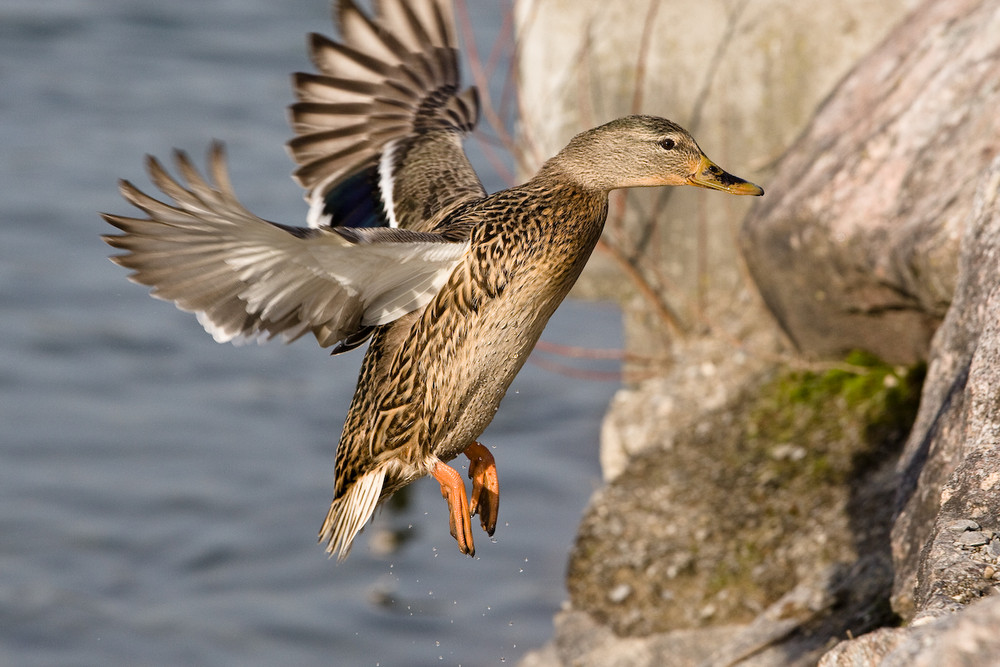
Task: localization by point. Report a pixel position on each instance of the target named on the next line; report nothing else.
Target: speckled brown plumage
(528, 246)
(452, 286)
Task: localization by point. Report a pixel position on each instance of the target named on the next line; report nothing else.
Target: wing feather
(249, 278)
(389, 87)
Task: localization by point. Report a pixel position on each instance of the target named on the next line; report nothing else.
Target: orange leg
(453, 490)
(485, 486)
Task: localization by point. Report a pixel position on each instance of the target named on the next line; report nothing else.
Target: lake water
(160, 493)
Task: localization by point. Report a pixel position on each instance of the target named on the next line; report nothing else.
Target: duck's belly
(500, 339)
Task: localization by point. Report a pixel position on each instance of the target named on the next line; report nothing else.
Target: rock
(619, 593)
(971, 539)
(867, 651)
(855, 244)
(967, 639)
(963, 525)
(791, 632)
(655, 413)
(547, 656)
(950, 468)
(744, 78)
(713, 527)
(581, 642)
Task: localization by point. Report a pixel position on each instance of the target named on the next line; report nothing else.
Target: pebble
(988, 572)
(993, 550)
(788, 452)
(619, 593)
(964, 524)
(972, 539)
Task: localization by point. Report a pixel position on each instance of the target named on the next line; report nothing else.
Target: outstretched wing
(379, 129)
(249, 278)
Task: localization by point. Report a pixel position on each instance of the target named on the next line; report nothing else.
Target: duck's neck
(569, 168)
(568, 203)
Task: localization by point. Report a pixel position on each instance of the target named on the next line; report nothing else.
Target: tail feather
(350, 512)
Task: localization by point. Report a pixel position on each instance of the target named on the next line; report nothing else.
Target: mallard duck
(404, 248)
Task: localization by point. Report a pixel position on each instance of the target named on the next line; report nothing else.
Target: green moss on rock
(808, 427)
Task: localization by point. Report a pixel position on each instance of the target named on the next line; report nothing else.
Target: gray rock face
(946, 550)
(969, 639)
(855, 244)
(951, 465)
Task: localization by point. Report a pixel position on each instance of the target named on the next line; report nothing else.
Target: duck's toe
(459, 518)
(485, 499)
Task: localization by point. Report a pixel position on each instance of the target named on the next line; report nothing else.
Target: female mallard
(452, 286)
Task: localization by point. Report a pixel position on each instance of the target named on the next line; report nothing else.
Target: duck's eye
(667, 144)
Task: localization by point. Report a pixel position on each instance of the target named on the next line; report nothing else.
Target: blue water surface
(160, 493)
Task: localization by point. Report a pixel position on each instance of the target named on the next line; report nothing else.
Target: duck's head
(642, 151)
